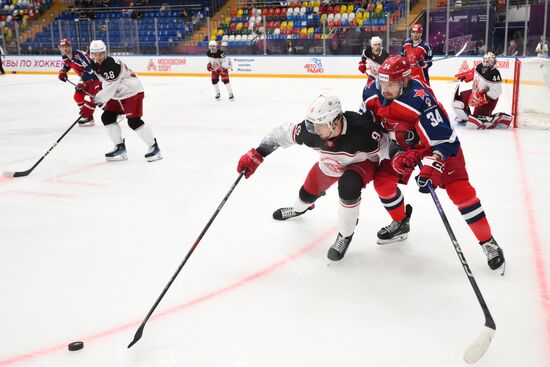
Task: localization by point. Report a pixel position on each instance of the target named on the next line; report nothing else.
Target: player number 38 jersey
(117, 81)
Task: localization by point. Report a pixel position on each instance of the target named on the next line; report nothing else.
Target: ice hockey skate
(396, 231)
(337, 251)
(86, 121)
(231, 97)
(495, 256)
(287, 213)
(117, 154)
(154, 153)
(217, 97)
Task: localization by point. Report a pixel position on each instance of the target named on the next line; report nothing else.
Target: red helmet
(416, 28)
(394, 68)
(64, 42)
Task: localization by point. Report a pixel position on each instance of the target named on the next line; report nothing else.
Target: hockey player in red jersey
(121, 94)
(371, 59)
(218, 65)
(80, 62)
(350, 146)
(483, 96)
(421, 127)
(418, 54)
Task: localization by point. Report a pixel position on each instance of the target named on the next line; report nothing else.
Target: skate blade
(502, 269)
(121, 157)
(157, 157)
(399, 238)
(88, 124)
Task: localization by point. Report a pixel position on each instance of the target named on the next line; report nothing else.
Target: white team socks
(114, 133)
(146, 134)
(229, 89)
(347, 217)
(217, 88)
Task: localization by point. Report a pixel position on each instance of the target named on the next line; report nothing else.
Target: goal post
(531, 93)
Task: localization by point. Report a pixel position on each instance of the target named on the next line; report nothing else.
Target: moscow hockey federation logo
(314, 65)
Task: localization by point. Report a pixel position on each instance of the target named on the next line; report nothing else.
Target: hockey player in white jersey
(121, 94)
(219, 65)
(483, 96)
(350, 147)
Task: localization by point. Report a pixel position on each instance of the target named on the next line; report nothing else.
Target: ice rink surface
(86, 246)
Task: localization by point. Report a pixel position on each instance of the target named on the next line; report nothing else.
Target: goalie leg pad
(500, 121)
(478, 122)
(460, 115)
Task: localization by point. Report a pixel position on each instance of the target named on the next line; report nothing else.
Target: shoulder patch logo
(419, 93)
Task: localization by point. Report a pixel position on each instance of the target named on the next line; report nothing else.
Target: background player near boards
(219, 65)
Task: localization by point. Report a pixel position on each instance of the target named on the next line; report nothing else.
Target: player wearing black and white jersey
(219, 65)
(371, 59)
(350, 147)
(122, 94)
(483, 96)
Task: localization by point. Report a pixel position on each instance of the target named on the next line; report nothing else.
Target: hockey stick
(478, 348)
(139, 331)
(450, 56)
(27, 172)
(81, 90)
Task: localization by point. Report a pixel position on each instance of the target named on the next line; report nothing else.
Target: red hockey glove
(362, 67)
(249, 162)
(87, 110)
(466, 76)
(405, 162)
(477, 98)
(62, 75)
(430, 173)
(80, 87)
(209, 67)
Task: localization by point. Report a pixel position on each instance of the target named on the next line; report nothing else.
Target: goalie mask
(321, 114)
(489, 60)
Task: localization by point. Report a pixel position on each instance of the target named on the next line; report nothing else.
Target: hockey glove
(62, 75)
(80, 87)
(466, 76)
(87, 110)
(430, 173)
(362, 67)
(478, 98)
(404, 163)
(209, 67)
(249, 162)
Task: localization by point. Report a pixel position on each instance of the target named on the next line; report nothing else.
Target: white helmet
(97, 46)
(489, 60)
(375, 40)
(323, 110)
(213, 43)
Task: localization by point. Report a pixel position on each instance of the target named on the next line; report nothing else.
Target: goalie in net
(482, 97)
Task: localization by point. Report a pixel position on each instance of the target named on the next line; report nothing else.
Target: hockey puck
(75, 346)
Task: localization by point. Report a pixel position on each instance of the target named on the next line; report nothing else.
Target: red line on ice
(536, 244)
(205, 297)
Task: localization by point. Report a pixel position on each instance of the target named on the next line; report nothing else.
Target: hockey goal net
(531, 93)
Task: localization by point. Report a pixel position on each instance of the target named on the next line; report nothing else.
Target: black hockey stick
(139, 331)
(476, 350)
(81, 90)
(27, 172)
